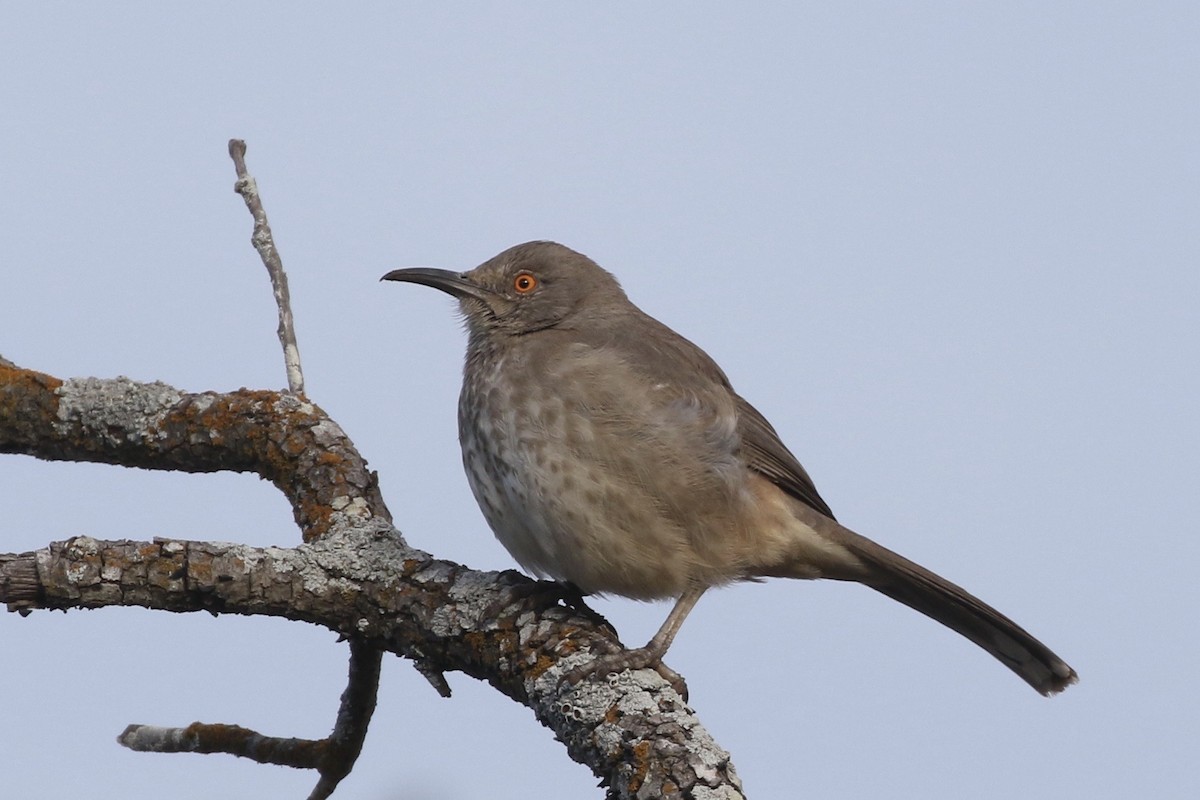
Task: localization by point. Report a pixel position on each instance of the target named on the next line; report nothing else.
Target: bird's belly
(562, 513)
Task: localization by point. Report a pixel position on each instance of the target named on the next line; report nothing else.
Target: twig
(333, 757)
(358, 704)
(203, 737)
(264, 243)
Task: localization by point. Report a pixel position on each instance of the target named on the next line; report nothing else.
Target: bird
(609, 453)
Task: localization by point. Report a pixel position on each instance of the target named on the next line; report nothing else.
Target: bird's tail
(957, 609)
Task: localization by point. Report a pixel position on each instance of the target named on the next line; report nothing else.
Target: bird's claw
(568, 593)
(641, 658)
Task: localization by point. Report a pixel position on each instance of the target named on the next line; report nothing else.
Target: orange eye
(525, 283)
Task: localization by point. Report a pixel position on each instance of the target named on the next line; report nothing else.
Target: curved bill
(453, 283)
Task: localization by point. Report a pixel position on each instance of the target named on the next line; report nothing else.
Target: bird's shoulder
(654, 355)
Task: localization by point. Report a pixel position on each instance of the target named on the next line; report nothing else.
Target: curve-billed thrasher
(608, 451)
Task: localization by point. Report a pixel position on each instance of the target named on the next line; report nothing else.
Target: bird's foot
(641, 658)
(555, 591)
(572, 597)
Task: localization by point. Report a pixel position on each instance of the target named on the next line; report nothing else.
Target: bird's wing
(767, 455)
(681, 369)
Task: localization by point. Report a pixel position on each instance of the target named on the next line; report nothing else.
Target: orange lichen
(543, 663)
(27, 398)
(641, 762)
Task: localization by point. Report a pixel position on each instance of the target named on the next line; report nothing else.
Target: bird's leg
(651, 655)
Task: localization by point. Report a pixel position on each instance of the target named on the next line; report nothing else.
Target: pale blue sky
(950, 250)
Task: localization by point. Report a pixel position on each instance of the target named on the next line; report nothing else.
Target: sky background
(949, 249)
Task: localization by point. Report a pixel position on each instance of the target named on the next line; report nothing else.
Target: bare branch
(264, 243)
(361, 580)
(358, 705)
(200, 737)
(333, 756)
(355, 575)
(281, 437)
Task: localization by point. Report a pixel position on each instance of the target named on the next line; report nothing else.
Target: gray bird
(607, 451)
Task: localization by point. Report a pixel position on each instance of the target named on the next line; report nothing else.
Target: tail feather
(959, 610)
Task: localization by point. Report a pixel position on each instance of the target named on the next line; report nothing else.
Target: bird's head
(527, 288)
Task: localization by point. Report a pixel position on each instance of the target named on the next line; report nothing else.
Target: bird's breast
(589, 473)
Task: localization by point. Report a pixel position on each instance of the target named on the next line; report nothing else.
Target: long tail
(937, 598)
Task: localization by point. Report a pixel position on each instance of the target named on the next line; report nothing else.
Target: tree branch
(285, 439)
(633, 730)
(333, 757)
(355, 574)
(264, 243)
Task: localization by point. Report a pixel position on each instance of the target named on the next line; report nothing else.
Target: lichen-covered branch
(285, 439)
(355, 575)
(362, 580)
(279, 436)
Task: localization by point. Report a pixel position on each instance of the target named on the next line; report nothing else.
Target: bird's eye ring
(524, 283)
